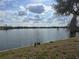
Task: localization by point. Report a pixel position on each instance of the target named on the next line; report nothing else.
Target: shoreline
(5, 50)
(68, 48)
(9, 27)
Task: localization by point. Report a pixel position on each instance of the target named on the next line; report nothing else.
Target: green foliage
(67, 7)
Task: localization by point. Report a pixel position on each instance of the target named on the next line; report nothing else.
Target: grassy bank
(64, 49)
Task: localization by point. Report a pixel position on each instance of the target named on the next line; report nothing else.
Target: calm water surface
(25, 37)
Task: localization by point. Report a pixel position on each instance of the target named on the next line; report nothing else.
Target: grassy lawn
(63, 49)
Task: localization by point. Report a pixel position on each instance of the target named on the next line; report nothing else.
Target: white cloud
(12, 18)
(22, 8)
(46, 7)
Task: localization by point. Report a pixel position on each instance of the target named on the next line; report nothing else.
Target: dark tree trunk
(73, 26)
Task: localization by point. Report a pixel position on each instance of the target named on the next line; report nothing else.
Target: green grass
(63, 49)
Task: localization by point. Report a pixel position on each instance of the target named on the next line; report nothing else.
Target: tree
(67, 7)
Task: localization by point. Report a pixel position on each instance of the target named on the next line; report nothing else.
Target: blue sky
(29, 12)
(14, 4)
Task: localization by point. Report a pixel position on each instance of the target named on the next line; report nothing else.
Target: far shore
(22, 27)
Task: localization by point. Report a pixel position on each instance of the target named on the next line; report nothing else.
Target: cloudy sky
(30, 13)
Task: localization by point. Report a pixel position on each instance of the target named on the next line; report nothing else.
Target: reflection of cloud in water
(37, 36)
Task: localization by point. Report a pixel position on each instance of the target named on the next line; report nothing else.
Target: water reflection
(25, 37)
(72, 34)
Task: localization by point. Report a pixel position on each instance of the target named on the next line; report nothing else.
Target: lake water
(16, 38)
